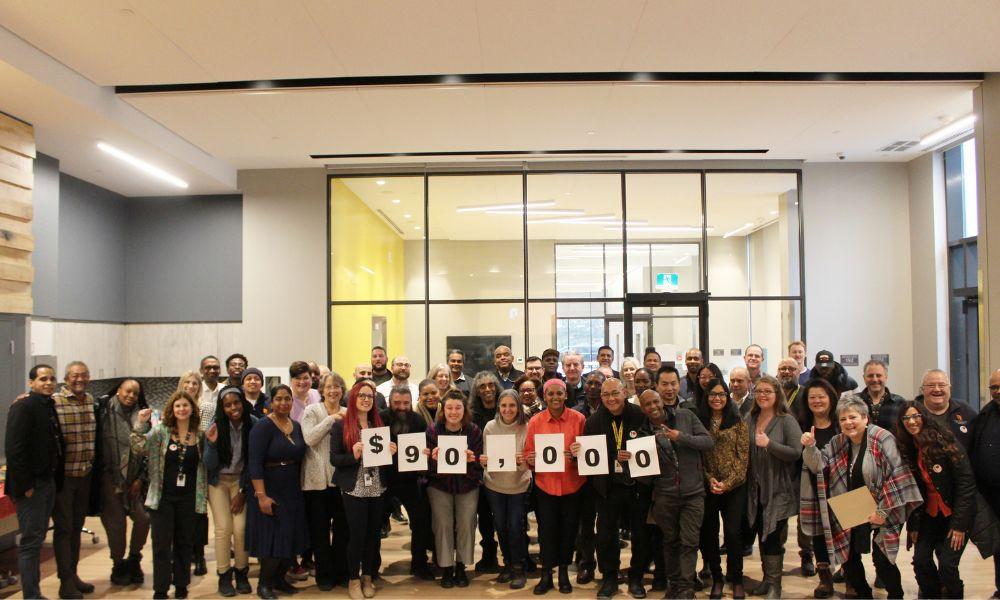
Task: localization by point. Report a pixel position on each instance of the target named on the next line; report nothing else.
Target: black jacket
(508, 383)
(957, 486)
(346, 473)
(599, 423)
(960, 417)
(984, 449)
(34, 444)
(839, 379)
(414, 424)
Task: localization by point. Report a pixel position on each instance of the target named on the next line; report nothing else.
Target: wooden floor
(95, 567)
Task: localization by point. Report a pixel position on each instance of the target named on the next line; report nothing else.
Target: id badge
(181, 478)
(368, 479)
(618, 467)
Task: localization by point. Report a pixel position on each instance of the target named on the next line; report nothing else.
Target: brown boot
(825, 587)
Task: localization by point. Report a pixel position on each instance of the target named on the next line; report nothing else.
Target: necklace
(285, 428)
(181, 452)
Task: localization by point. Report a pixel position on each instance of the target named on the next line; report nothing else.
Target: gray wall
(185, 259)
(100, 256)
(92, 239)
(45, 227)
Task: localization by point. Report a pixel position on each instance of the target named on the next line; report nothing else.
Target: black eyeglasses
(994, 388)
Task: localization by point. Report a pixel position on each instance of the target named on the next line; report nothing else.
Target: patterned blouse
(727, 461)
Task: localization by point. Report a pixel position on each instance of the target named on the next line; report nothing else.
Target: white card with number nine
(451, 454)
(375, 447)
(550, 454)
(593, 456)
(644, 461)
(410, 451)
(501, 452)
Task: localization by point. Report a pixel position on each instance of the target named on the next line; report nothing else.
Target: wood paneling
(17, 153)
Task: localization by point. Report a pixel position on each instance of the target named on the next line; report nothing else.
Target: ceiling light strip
(145, 167)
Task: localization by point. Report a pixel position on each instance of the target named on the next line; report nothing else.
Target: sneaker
(298, 573)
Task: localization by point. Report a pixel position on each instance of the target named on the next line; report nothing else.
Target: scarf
(895, 490)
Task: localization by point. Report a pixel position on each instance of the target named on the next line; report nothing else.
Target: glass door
(670, 323)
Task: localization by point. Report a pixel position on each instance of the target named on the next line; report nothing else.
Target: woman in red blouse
(946, 482)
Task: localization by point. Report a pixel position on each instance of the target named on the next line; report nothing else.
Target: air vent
(900, 146)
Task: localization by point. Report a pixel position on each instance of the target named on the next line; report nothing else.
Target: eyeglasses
(911, 418)
(994, 388)
(367, 396)
(763, 393)
(717, 394)
(937, 386)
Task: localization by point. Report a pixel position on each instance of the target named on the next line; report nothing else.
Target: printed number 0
(591, 457)
(642, 458)
(549, 455)
(451, 456)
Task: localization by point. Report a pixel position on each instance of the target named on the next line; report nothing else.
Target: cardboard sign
(549, 453)
(451, 454)
(375, 447)
(410, 452)
(593, 456)
(853, 508)
(501, 451)
(644, 461)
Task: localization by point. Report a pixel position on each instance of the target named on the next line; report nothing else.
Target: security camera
(840, 156)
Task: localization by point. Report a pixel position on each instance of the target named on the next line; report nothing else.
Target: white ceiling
(117, 42)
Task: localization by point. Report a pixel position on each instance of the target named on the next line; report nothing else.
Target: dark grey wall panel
(185, 259)
(92, 233)
(45, 228)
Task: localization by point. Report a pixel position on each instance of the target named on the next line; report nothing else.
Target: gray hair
(852, 402)
(571, 354)
(76, 363)
(631, 360)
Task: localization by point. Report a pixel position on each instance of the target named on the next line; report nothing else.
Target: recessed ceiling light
(416, 227)
(395, 200)
(494, 270)
(380, 182)
(142, 165)
(407, 216)
(774, 212)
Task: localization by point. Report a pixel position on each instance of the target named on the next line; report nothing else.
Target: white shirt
(206, 404)
(385, 388)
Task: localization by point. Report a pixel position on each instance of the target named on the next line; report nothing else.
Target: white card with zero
(410, 452)
(549, 453)
(593, 456)
(375, 447)
(451, 454)
(644, 461)
(501, 452)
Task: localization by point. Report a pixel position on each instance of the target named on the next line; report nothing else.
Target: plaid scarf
(894, 488)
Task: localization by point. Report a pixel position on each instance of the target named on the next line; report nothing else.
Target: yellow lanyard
(619, 431)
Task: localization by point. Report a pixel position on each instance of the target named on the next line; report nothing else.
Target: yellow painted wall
(360, 238)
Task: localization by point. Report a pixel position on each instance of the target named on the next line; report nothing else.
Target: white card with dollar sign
(375, 447)
(501, 453)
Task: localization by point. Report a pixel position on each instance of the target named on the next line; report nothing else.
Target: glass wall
(539, 260)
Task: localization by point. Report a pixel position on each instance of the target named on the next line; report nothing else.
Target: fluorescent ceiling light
(380, 182)
(142, 165)
(517, 206)
(568, 212)
(738, 229)
(949, 131)
(368, 270)
(395, 200)
(665, 229)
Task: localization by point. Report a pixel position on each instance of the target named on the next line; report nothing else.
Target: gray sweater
(773, 479)
(681, 470)
(506, 482)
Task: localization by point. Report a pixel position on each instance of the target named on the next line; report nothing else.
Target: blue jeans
(508, 519)
(33, 519)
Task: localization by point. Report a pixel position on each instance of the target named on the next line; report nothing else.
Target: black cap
(824, 358)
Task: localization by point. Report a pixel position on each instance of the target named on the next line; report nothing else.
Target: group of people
(289, 476)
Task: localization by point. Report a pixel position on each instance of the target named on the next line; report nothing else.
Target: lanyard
(619, 431)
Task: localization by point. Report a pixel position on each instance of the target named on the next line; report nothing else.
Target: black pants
(488, 542)
(272, 570)
(558, 520)
(418, 511)
(731, 507)
(630, 502)
(328, 534)
(67, 519)
(200, 536)
(364, 518)
(654, 535)
(819, 549)
(774, 543)
(173, 527)
(943, 579)
(854, 572)
(585, 538)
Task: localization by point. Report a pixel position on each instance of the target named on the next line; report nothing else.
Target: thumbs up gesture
(809, 437)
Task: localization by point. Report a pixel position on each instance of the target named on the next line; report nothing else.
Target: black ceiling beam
(581, 77)
(542, 152)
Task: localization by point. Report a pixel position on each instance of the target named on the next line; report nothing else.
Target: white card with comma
(410, 451)
(549, 453)
(593, 456)
(501, 453)
(451, 454)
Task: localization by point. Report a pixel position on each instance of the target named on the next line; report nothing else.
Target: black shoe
(385, 530)
(83, 586)
(544, 584)
(180, 593)
(625, 534)
(69, 591)
(838, 577)
(324, 586)
(422, 571)
(659, 585)
(160, 596)
(747, 550)
(517, 578)
(584, 575)
(723, 550)
(448, 578)
(530, 566)
(506, 573)
(636, 589)
(243, 580)
(564, 585)
(879, 585)
(284, 587)
(397, 516)
(265, 593)
(120, 573)
(488, 564)
(717, 588)
(808, 567)
(461, 579)
(136, 576)
(200, 568)
(609, 586)
(226, 584)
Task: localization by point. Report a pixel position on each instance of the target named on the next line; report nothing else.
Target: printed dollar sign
(377, 443)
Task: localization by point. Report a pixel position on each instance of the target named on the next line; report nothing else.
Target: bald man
(503, 360)
(984, 451)
(948, 412)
